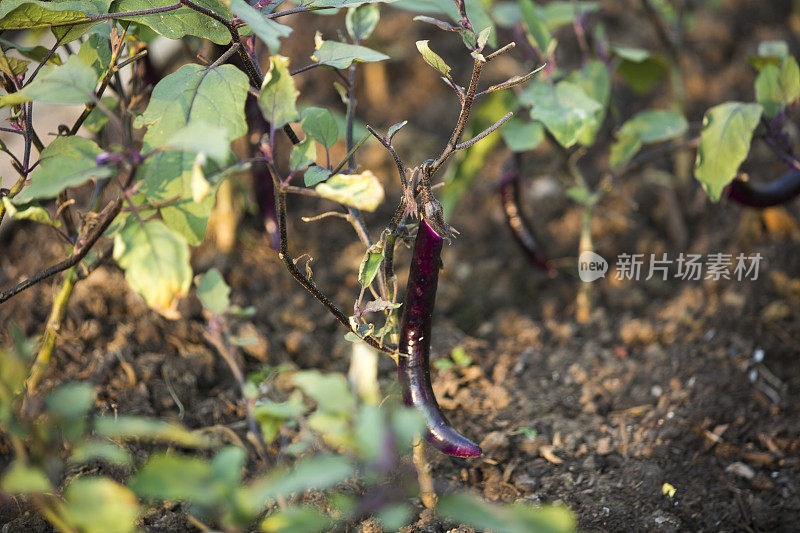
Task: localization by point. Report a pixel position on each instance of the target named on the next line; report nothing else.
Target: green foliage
(778, 86)
(433, 59)
(362, 191)
(647, 127)
(565, 109)
(181, 22)
(99, 505)
(361, 21)
(214, 292)
(65, 162)
(537, 29)
(265, 29)
(156, 263)
(517, 518)
(62, 16)
(278, 95)
(724, 143)
(320, 125)
(70, 83)
(341, 55)
(303, 154)
(369, 266)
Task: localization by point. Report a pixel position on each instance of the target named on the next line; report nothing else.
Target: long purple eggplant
(415, 342)
(760, 195)
(263, 187)
(519, 226)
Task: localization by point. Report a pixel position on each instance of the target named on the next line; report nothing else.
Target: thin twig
(486, 132)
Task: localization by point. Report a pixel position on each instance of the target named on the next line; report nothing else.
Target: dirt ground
(664, 385)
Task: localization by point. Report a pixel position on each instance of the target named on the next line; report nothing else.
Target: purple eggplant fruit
(415, 341)
(760, 195)
(519, 226)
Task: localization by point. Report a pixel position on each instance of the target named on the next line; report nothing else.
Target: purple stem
(415, 341)
(519, 226)
(760, 195)
(263, 186)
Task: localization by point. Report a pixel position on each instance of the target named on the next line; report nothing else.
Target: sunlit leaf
(369, 266)
(71, 83)
(362, 191)
(278, 96)
(341, 55)
(521, 135)
(156, 263)
(320, 125)
(65, 162)
(149, 430)
(565, 110)
(303, 154)
(361, 21)
(433, 59)
(296, 519)
(330, 391)
(213, 292)
(94, 450)
(315, 174)
(96, 52)
(181, 22)
(99, 505)
(778, 86)
(20, 478)
(265, 29)
(175, 477)
(724, 144)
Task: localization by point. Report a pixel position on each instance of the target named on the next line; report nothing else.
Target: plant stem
(57, 312)
(583, 301)
(426, 491)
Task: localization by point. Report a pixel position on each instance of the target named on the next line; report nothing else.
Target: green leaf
(149, 430)
(646, 127)
(214, 292)
(70, 83)
(320, 125)
(396, 516)
(433, 59)
(96, 52)
(20, 478)
(394, 129)
(777, 87)
(369, 266)
(521, 135)
(319, 472)
(595, 81)
(66, 162)
(71, 400)
(565, 110)
(175, 477)
(193, 92)
(640, 69)
(278, 96)
(362, 191)
(330, 391)
(724, 143)
(13, 67)
(271, 415)
(203, 138)
(107, 451)
(227, 465)
(303, 154)
(212, 97)
(460, 357)
(99, 505)
(653, 126)
(265, 29)
(535, 24)
(623, 149)
(37, 53)
(28, 14)
(518, 518)
(181, 22)
(156, 263)
(337, 4)
(315, 174)
(296, 519)
(341, 55)
(30, 211)
(361, 21)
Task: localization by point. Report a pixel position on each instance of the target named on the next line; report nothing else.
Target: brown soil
(659, 387)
